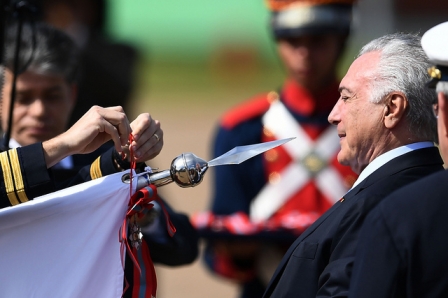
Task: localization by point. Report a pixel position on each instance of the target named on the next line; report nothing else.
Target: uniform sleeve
(182, 248)
(234, 187)
(24, 175)
(377, 262)
(103, 165)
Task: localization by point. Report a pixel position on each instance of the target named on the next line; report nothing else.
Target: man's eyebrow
(342, 88)
(53, 88)
(21, 91)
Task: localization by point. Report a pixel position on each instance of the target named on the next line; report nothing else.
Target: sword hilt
(187, 170)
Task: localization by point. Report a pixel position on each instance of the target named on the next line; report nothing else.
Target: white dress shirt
(381, 160)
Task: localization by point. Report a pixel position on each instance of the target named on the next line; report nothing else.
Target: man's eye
(20, 99)
(344, 98)
(53, 97)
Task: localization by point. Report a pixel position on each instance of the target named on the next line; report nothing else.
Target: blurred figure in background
(45, 96)
(107, 68)
(261, 206)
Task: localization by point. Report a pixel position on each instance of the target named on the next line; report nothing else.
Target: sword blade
(241, 153)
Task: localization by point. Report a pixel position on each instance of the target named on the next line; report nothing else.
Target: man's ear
(395, 108)
(442, 115)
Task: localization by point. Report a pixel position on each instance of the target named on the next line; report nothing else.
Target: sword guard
(187, 170)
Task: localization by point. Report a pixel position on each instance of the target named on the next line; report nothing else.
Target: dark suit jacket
(320, 261)
(403, 247)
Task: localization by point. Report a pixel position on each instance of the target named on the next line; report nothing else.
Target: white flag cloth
(65, 244)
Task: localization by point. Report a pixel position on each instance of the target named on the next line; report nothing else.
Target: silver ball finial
(188, 170)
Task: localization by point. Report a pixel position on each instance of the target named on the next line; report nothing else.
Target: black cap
(301, 17)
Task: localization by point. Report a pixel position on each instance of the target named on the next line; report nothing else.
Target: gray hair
(44, 50)
(403, 67)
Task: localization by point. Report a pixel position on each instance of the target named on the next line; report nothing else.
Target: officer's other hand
(148, 137)
(96, 127)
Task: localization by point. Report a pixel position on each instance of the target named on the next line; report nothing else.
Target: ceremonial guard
(261, 206)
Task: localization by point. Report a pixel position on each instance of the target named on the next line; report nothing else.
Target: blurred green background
(193, 30)
(195, 51)
(199, 50)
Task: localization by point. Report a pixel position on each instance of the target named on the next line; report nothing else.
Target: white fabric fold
(65, 244)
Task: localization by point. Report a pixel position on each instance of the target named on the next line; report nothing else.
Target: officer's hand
(148, 138)
(96, 127)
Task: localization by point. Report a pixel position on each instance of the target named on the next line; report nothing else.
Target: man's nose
(302, 50)
(333, 117)
(37, 107)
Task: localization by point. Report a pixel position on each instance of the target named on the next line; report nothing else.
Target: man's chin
(342, 159)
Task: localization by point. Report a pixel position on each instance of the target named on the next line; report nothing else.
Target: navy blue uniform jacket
(319, 263)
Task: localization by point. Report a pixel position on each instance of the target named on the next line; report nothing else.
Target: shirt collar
(13, 144)
(388, 156)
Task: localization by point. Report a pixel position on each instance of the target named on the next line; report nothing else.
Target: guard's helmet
(293, 18)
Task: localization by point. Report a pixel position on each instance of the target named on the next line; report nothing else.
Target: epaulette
(246, 110)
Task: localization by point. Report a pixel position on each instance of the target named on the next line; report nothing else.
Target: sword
(187, 170)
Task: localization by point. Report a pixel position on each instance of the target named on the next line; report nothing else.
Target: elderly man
(386, 126)
(402, 249)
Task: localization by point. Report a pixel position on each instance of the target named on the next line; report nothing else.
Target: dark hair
(43, 49)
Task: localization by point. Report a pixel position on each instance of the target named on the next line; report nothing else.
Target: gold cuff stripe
(7, 177)
(18, 179)
(95, 169)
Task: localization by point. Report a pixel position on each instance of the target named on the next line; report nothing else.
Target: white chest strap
(310, 159)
